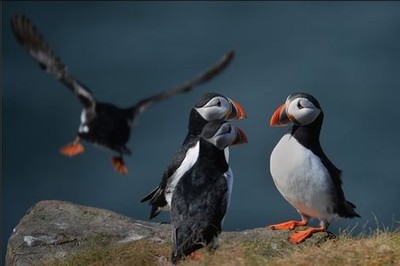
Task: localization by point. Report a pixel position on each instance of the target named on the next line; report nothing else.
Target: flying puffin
(201, 196)
(102, 124)
(302, 172)
(210, 107)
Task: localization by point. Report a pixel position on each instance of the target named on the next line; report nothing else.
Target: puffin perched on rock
(302, 172)
(202, 194)
(102, 124)
(210, 107)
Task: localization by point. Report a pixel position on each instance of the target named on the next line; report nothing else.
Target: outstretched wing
(187, 86)
(31, 39)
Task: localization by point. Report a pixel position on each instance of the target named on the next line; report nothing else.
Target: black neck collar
(308, 135)
(212, 156)
(195, 126)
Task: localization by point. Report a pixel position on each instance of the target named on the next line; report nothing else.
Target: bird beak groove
(280, 117)
(241, 137)
(237, 112)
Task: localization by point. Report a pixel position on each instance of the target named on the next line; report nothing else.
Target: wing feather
(33, 42)
(187, 86)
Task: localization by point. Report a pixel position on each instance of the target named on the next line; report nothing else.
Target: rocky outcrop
(60, 229)
(57, 230)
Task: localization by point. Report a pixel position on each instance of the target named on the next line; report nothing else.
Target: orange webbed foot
(72, 149)
(195, 256)
(288, 225)
(119, 165)
(300, 236)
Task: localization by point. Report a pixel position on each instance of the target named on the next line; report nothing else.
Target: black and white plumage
(302, 172)
(210, 107)
(103, 124)
(202, 195)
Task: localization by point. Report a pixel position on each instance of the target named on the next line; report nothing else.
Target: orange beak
(238, 111)
(241, 137)
(280, 117)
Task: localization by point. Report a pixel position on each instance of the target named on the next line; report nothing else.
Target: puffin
(302, 172)
(202, 194)
(210, 107)
(102, 124)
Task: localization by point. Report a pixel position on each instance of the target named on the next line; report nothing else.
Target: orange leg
(195, 256)
(300, 236)
(288, 225)
(119, 165)
(72, 149)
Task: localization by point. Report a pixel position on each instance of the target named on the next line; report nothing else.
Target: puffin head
(300, 109)
(222, 134)
(214, 106)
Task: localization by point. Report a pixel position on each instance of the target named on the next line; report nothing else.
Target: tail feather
(33, 42)
(347, 210)
(150, 195)
(156, 200)
(155, 210)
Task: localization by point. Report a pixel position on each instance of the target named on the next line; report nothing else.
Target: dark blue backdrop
(347, 54)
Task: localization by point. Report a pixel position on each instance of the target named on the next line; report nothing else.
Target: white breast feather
(226, 153)
(229, 180)
(187, 163)
(83, 117)
(302, 179)
(83, 128)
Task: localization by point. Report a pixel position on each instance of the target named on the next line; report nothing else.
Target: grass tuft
(381, 247)
(140, 253)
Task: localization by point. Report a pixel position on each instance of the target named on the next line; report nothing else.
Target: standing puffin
(210, 107)
(201, 196)
(302, 172)
(102, 124)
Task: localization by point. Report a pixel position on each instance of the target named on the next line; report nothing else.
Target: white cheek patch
(305, 115)
(223, 141)
(225, 105)
(211, 113)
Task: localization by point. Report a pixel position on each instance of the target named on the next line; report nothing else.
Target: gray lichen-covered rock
(57, 231)
(60, 229)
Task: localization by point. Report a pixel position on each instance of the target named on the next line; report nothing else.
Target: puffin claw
(119, 165)
(72, 149)
(300, 236)
(195, 256)
(288, 225)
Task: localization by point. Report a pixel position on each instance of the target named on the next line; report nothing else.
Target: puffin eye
(219, 103)
(299, 105)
